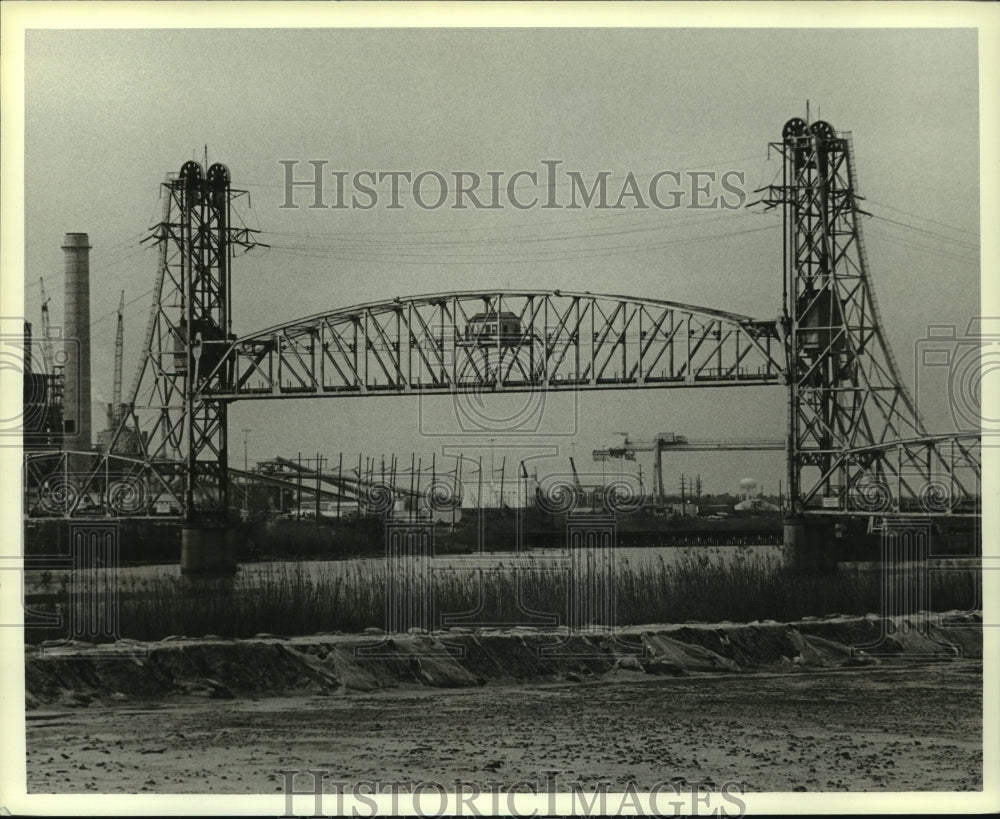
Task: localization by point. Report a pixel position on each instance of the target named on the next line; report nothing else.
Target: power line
(535, 223)
(338, 242)
(940, 253)
(927, 232)
(923, 218)
(539, 256)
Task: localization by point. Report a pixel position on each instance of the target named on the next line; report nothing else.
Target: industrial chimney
(76, 332)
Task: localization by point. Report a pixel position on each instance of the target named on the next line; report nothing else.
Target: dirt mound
(77, 674)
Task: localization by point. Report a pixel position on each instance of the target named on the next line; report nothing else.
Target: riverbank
(770, 706)
(78, 675)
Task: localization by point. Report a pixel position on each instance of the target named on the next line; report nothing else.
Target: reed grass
(292, 598)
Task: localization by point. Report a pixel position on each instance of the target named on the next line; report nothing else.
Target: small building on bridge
(489, 329)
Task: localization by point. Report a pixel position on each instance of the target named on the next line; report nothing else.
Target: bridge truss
(500, 341)
(190, 325)
(854, 431)
(856, 443)
(82, 485)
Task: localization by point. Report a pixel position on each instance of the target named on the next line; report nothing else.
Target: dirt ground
(902, 726)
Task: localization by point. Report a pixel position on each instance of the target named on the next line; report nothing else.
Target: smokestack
(76, 331)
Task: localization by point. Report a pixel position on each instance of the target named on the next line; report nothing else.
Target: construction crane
(115, 409)
(670, 440)
(579, 492)
(46, 340)
(576, 478)
(629, 448)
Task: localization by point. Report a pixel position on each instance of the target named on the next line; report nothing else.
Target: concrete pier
(810, 545)
(208, 549)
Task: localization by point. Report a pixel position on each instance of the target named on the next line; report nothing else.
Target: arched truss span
(926, 475)
(499, 340)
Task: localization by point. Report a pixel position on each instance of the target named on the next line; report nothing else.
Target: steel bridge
(856, 444)
(452, 342)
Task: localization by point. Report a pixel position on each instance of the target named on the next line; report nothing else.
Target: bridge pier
(810, 545)
(208, 550)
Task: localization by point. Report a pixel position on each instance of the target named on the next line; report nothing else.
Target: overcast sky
(110, 113)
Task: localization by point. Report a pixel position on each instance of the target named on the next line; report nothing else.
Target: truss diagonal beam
(503, 340)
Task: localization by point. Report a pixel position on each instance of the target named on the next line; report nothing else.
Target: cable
(926, 232)
(470, 259)
(338, 242)
(377, 252)
(924, 218)
(535, 223)
(896, 240)
(115, 311)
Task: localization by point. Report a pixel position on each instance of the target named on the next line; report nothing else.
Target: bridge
(510, 341)
(856, 443)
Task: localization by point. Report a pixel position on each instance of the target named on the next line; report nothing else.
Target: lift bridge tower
(847, 403)
(189, 330)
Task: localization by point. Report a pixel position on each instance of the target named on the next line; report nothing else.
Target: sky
(108, 113)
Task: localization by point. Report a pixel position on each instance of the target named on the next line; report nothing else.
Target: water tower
(748, 489)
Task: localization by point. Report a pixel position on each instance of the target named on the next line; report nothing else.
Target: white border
(17, 16)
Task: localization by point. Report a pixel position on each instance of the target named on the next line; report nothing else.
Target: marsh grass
(294, 598)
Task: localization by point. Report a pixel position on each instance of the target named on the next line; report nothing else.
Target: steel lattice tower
(190, 327)
(846, 395)
(855, 443)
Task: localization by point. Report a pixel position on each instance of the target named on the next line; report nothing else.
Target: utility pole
(458, 483)
(413, 465)
(503, 471)
(246, 483)
(319, 474)
(492, 473)
(413, 497)
(658, 486)
(479, 493)
(360, 493)
(340, 486)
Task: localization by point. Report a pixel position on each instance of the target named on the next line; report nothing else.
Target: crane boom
(46, 338)
(628, 449)
(721, 445)
(116, 394)
(576, 477)
(668, 440)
